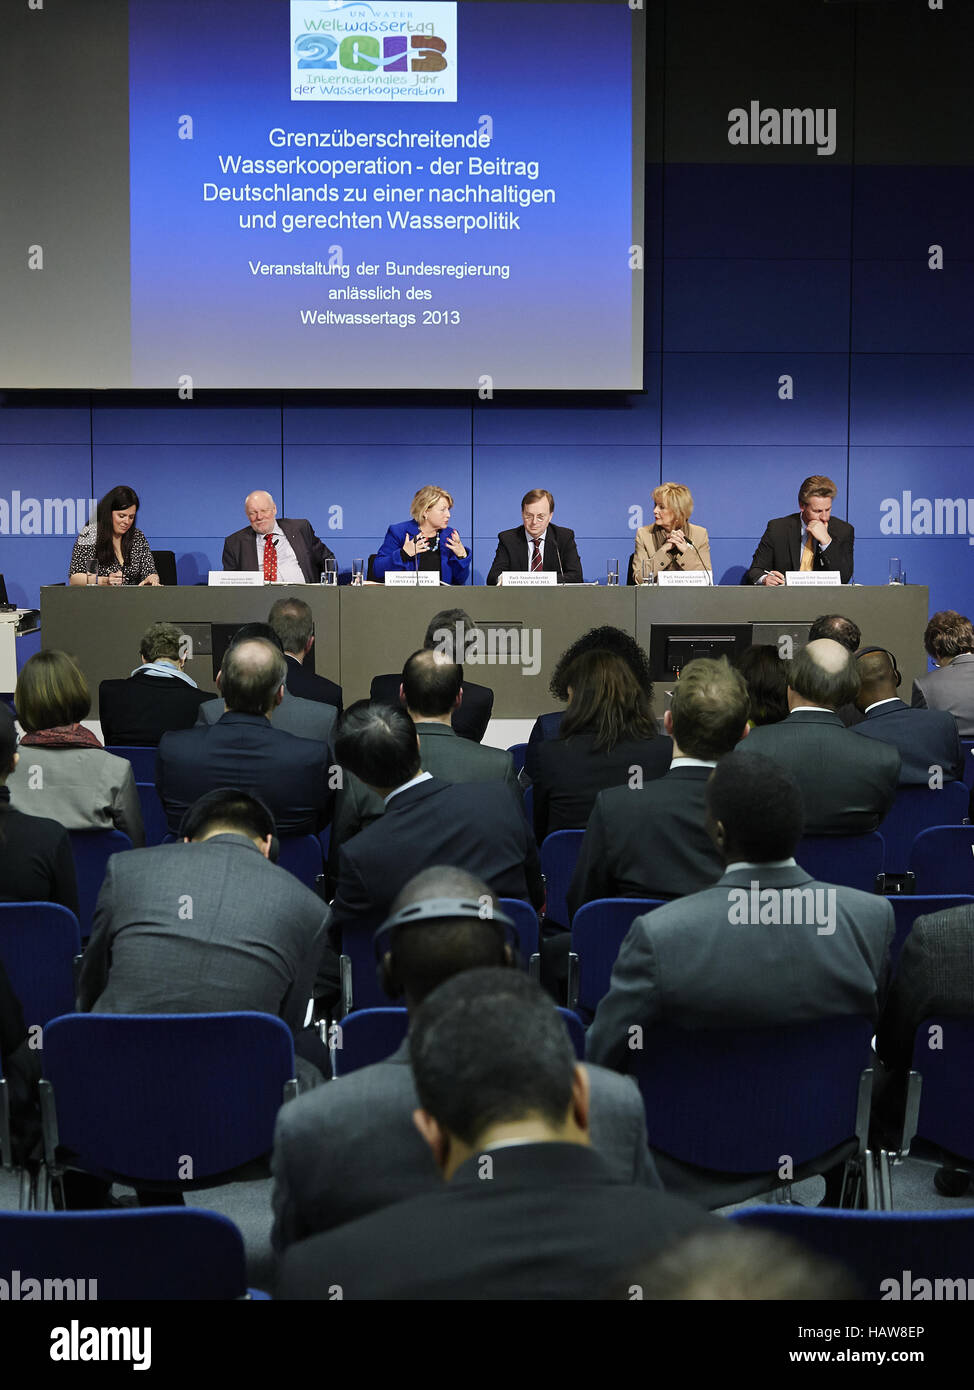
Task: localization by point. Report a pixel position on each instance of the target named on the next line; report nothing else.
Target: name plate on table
(525, 578)
(683, 579)
(812, 577)
(408, 579)
(235, 579)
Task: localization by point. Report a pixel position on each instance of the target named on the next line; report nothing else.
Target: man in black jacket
(538, 544)
(292, 620)
(809, 539)
(529, 1210)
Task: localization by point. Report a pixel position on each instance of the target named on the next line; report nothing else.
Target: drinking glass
(358, 571)
(612, 572)
(329, 575)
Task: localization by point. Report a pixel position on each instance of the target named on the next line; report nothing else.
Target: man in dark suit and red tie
(538, 544)
(286, 550)
(809, 539)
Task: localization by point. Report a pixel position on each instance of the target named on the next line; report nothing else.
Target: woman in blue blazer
(424, 541)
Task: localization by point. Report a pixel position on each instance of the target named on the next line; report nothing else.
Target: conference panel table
(370, 630)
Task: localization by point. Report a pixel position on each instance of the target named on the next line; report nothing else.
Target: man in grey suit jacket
(847, 783)
(926, 739)
(766, 945)
(351, 1147)
(432, 688)
(294, 715)
(949, 639)
(208, 925)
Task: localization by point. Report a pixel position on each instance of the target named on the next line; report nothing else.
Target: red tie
(536, 557)
(270, 560)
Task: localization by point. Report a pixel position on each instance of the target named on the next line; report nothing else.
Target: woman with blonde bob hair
(64, 772)
(671, 543)
(424, 543)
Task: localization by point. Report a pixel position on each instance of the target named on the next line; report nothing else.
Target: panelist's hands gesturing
(415, 545)
(454, 543)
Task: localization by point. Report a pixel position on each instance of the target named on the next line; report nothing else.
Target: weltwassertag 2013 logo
(347, 50)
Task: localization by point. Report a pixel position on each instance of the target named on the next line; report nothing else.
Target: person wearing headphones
(926, 738)
(207, 925)
(351, 1147)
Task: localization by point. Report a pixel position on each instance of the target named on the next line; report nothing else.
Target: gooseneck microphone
(690, 543)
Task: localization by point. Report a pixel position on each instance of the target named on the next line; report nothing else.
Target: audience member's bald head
(252, 676)
(431, 684)
(824, 674)
(878, 677)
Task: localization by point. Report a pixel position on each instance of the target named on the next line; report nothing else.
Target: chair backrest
(367, 1036)
(881, 1249)
(559, 855)
(942, 859)
(943, 1055)
(153, 814)
(576, 1031)
(159, 1253)
(735, 1100)
(598, 930)
(517, 752)
(968, 746)
(528, 803)
(370, 567)
(526, 927)
(908, 907)
(92, 850)
(850, 860)
(359, 982)
(142, 758)
(916, 809)
(165, 562)
(164, 1099)
(38, 945)
(301, 855)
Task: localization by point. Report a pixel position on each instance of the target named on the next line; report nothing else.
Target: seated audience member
(606, 639)
(738, 1265)
(426, 542)
(949, 640)
(254, 940)
(426, 821)
(538, 544)
(64, 772)
(20, 1068)
(432, 688)
(934, 977)
(652, 841)
(847, 634)
(847, 783)
(36, 863)
(671, 543)
(285, 549)
(292, 620)
(767, 684)
(351, 1147)
(450, 631)
(242, 748)
(926, 739)
(530, 1210)
(809, 539)
(607, 738)
(817, 951)
(294, 714)
(156, 697)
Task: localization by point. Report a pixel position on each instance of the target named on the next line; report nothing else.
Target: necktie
(536, 557)
(808, 554)
(270, 560)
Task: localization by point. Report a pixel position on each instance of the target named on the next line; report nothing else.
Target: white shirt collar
(890, 700)
(692, 762)
(413, 782)
(768, 864)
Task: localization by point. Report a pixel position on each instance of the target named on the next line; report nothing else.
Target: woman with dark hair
(767, 684)
(64, 772)
(112, 547)
(607, 738)
(607, 639)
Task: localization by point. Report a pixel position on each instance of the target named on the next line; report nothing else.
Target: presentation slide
(323, 194)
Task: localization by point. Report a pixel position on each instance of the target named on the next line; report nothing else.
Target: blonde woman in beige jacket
(671, 543)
